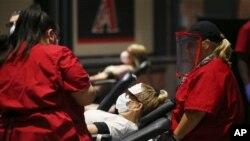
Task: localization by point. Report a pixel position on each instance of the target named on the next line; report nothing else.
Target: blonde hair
(224, 51)
(150, 98)
(138, 52)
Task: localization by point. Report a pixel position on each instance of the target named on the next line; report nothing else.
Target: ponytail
(224, 51)
(162, 96)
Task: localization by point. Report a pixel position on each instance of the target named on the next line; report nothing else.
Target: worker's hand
(247, 90)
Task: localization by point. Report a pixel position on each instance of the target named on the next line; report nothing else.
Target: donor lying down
(138, 101)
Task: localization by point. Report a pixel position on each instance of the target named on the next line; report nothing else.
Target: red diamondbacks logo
(106, 17)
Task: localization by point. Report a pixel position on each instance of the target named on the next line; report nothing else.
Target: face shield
(188, 52)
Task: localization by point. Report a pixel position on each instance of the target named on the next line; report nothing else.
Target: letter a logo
(106, 17)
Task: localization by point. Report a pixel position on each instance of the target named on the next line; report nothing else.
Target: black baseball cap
(207, 30)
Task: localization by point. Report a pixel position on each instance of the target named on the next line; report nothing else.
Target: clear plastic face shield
(188, 52)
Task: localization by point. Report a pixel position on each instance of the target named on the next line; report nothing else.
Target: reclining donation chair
(144, 66)
(153, 124)
(150, 126)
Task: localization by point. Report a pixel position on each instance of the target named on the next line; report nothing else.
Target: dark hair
(4, 39)
(31, 27)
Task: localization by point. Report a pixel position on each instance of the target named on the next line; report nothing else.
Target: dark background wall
(169, 16)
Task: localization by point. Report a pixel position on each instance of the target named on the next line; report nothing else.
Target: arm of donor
(85, 97)
(189, 121)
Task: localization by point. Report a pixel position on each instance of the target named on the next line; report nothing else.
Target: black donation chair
(144, 66)
(153, 124)
(150, 126)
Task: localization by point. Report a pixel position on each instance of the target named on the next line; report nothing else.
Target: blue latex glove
(247, 89)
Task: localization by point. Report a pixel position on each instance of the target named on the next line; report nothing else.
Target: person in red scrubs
(208, 99)
(43, 86)
(242, 48)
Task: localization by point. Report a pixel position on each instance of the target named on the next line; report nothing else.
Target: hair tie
(157, 93)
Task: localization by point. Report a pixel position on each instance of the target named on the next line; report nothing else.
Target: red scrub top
(36, 100)
(243, 40)
(243, 43)
(213, 89)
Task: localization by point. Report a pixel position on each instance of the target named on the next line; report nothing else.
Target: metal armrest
(104, 82)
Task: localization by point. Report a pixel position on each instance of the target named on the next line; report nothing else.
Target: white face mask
(122, 103)
(124, 56)
(12, 29)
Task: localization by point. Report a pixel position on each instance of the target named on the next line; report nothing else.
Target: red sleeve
(243, 38)
(205, 93)
(74, 76)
